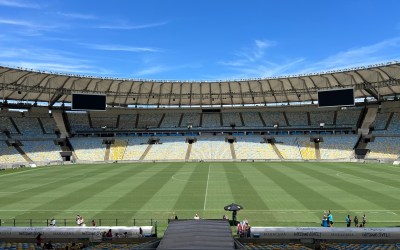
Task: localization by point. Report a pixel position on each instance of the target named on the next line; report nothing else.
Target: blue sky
(197, 40)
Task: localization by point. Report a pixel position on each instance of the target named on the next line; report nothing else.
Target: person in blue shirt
(330, 219)
(324, 222)
(348, 220)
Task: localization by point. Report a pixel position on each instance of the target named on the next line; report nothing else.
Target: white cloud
(77, 16)
(384, 51)
(124, 26)
(156, 69)
(19, 4)
(115, 47)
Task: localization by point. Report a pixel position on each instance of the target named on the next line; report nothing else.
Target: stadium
(135, 152)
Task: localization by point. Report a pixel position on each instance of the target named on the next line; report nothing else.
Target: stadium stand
(254, 147)
(211, 120)
(297, 119)
(190, 118)
(307, 148)
(8, 154)
(42, 151)
(274, 117)
(79, 121)
(148, 120)
(168, 148)
(337, 147)
(127, 121)
(135, 148)
(231, 118)
(348, 117)
(88, 149)
(118, 149)
(252, 119)
(211, 148)
(171, 120)
(101, 120)
(384, 148)
(318, 117)
(288, 147)
(49, 124)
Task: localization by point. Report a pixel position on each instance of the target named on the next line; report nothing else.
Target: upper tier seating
(169, 148)
(250, 147)
(49, 124)
(89, 149)
(211, 148)
(274, 117)
(252, 119)
(40, 151)
(149, 120)
(171, 120)
(318, 117)
(211, 120)
(297, 119)
(231, 118)
(6, 124)
(100, 120)
(337, 147)
(79, 121)
(127, 122)
(381, 121)
(384, 148)
(348, 118)
(29, 128)
(191, 118)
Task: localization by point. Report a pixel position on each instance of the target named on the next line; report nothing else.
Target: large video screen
(88, 102)
(336, 97)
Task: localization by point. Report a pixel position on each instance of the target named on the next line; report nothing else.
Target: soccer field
(273, 194)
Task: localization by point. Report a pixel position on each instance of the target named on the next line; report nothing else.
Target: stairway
(232, 146)
(107, 154)
(276, 150)
(145, 152)
(59, 119)
(189, 149)
(317, 151)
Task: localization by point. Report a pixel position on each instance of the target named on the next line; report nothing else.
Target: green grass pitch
(273, 194)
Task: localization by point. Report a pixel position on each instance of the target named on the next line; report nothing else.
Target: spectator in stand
(348, 220)
(239, 230)
(364, 220)
(355, 221)
(109, 234)
(48, 245)
(39, 240)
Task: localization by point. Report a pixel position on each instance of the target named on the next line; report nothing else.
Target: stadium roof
(30, 85)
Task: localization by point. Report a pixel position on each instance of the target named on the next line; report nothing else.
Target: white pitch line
(205, 197)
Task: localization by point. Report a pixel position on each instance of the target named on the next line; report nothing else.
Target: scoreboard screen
(336, 98)
(90, 102)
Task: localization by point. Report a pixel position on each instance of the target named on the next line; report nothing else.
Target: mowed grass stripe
(365, 173)
(167, 196)
(36, 195)
(278, 199)
(138, 195)
(192, 197)
(366, 191)
(333, 190)
(73, 195)
(300, 191)
(243, 191)
(219, 192)
(37, 177)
